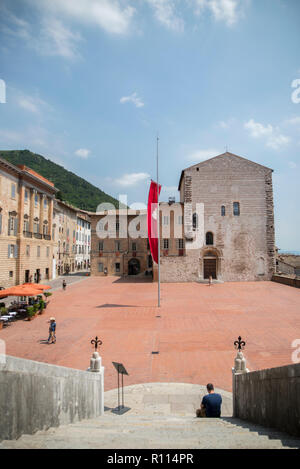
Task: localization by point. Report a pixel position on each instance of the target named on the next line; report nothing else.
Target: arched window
(236, 208)
(195, 221)
(209, 238)
(223, 211)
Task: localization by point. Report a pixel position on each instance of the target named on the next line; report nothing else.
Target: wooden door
(210, 268)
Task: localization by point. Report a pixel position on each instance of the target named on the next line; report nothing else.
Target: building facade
(222, 227)
(115, 253)
(26, 214)
(234, 198)
(83, 241)
(64, 235)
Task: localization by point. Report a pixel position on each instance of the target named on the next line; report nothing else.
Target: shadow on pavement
(107, 305)
(133, 279)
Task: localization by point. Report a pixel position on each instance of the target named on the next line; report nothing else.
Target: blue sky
(89, 83)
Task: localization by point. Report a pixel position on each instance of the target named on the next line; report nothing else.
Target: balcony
(46, 236)
(38, 235)
(27, 234)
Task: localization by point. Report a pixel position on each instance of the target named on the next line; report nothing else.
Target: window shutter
(16, 251)
(0, 222)
(9, 251)
(8, 227)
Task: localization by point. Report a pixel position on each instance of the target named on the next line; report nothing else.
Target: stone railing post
(238, 369)
(96, 367)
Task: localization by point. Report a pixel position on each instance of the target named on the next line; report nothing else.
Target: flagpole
(158, 228)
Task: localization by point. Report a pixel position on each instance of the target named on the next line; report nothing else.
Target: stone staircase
(161, 415)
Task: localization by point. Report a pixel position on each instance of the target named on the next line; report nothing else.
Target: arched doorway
(134, 267)
(210, 265)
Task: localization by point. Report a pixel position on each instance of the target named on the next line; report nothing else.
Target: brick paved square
(194, 335)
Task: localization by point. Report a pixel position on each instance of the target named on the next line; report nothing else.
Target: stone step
(159, 417)
(137, 432)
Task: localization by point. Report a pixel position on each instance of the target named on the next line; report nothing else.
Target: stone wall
(36, 396)
(292, 282)
(245, 242)
(270, 398)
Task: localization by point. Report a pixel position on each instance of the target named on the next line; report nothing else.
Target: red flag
(152, 216)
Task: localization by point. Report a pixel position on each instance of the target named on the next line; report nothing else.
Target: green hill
(72, 188)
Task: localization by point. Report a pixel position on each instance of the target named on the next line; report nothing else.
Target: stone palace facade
(222, 227)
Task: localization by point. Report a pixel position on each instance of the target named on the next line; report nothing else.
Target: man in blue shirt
(52, 329)
(211, 403)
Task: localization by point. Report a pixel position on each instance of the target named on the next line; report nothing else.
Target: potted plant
(47, 294)
(3, 310)
(41, 306)
(31, 312)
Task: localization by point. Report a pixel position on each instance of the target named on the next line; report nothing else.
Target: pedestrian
(210, 280)
(211, 404)
(64, 284)
(52, 329)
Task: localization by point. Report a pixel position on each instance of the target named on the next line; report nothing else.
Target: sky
(90, 84)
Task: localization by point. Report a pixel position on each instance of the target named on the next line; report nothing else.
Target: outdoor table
(12, 314)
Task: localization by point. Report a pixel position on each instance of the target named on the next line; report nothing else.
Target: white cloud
(258, 130)
(133, 98)
(201, 155)
(164, 11)
(274, 139)
(57, 39)
(10, 136)
(277, 141)
(108, 15)
(54, 34)
(31, 103)
(228, 11)
(293, 121)
(82, 153)
(14, 26)
(226, 124)
(132, 179)
(292, 164)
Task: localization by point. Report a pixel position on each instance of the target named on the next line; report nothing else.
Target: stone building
(116, 253)
(83, 241)
(64, 235)
(222, 227)
(26, 211)
(235, 222)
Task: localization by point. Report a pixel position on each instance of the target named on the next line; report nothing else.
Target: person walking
(211, 404)
(52, 330)
(64, 285)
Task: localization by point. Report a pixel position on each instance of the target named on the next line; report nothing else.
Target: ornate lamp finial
(239, 344)
(96, 342)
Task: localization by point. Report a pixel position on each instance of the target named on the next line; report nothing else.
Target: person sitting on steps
(211, 404)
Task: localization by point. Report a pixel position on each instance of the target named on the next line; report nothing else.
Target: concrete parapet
(270, 397)
(36, 396)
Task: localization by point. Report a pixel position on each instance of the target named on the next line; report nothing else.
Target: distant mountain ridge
(72, 188)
